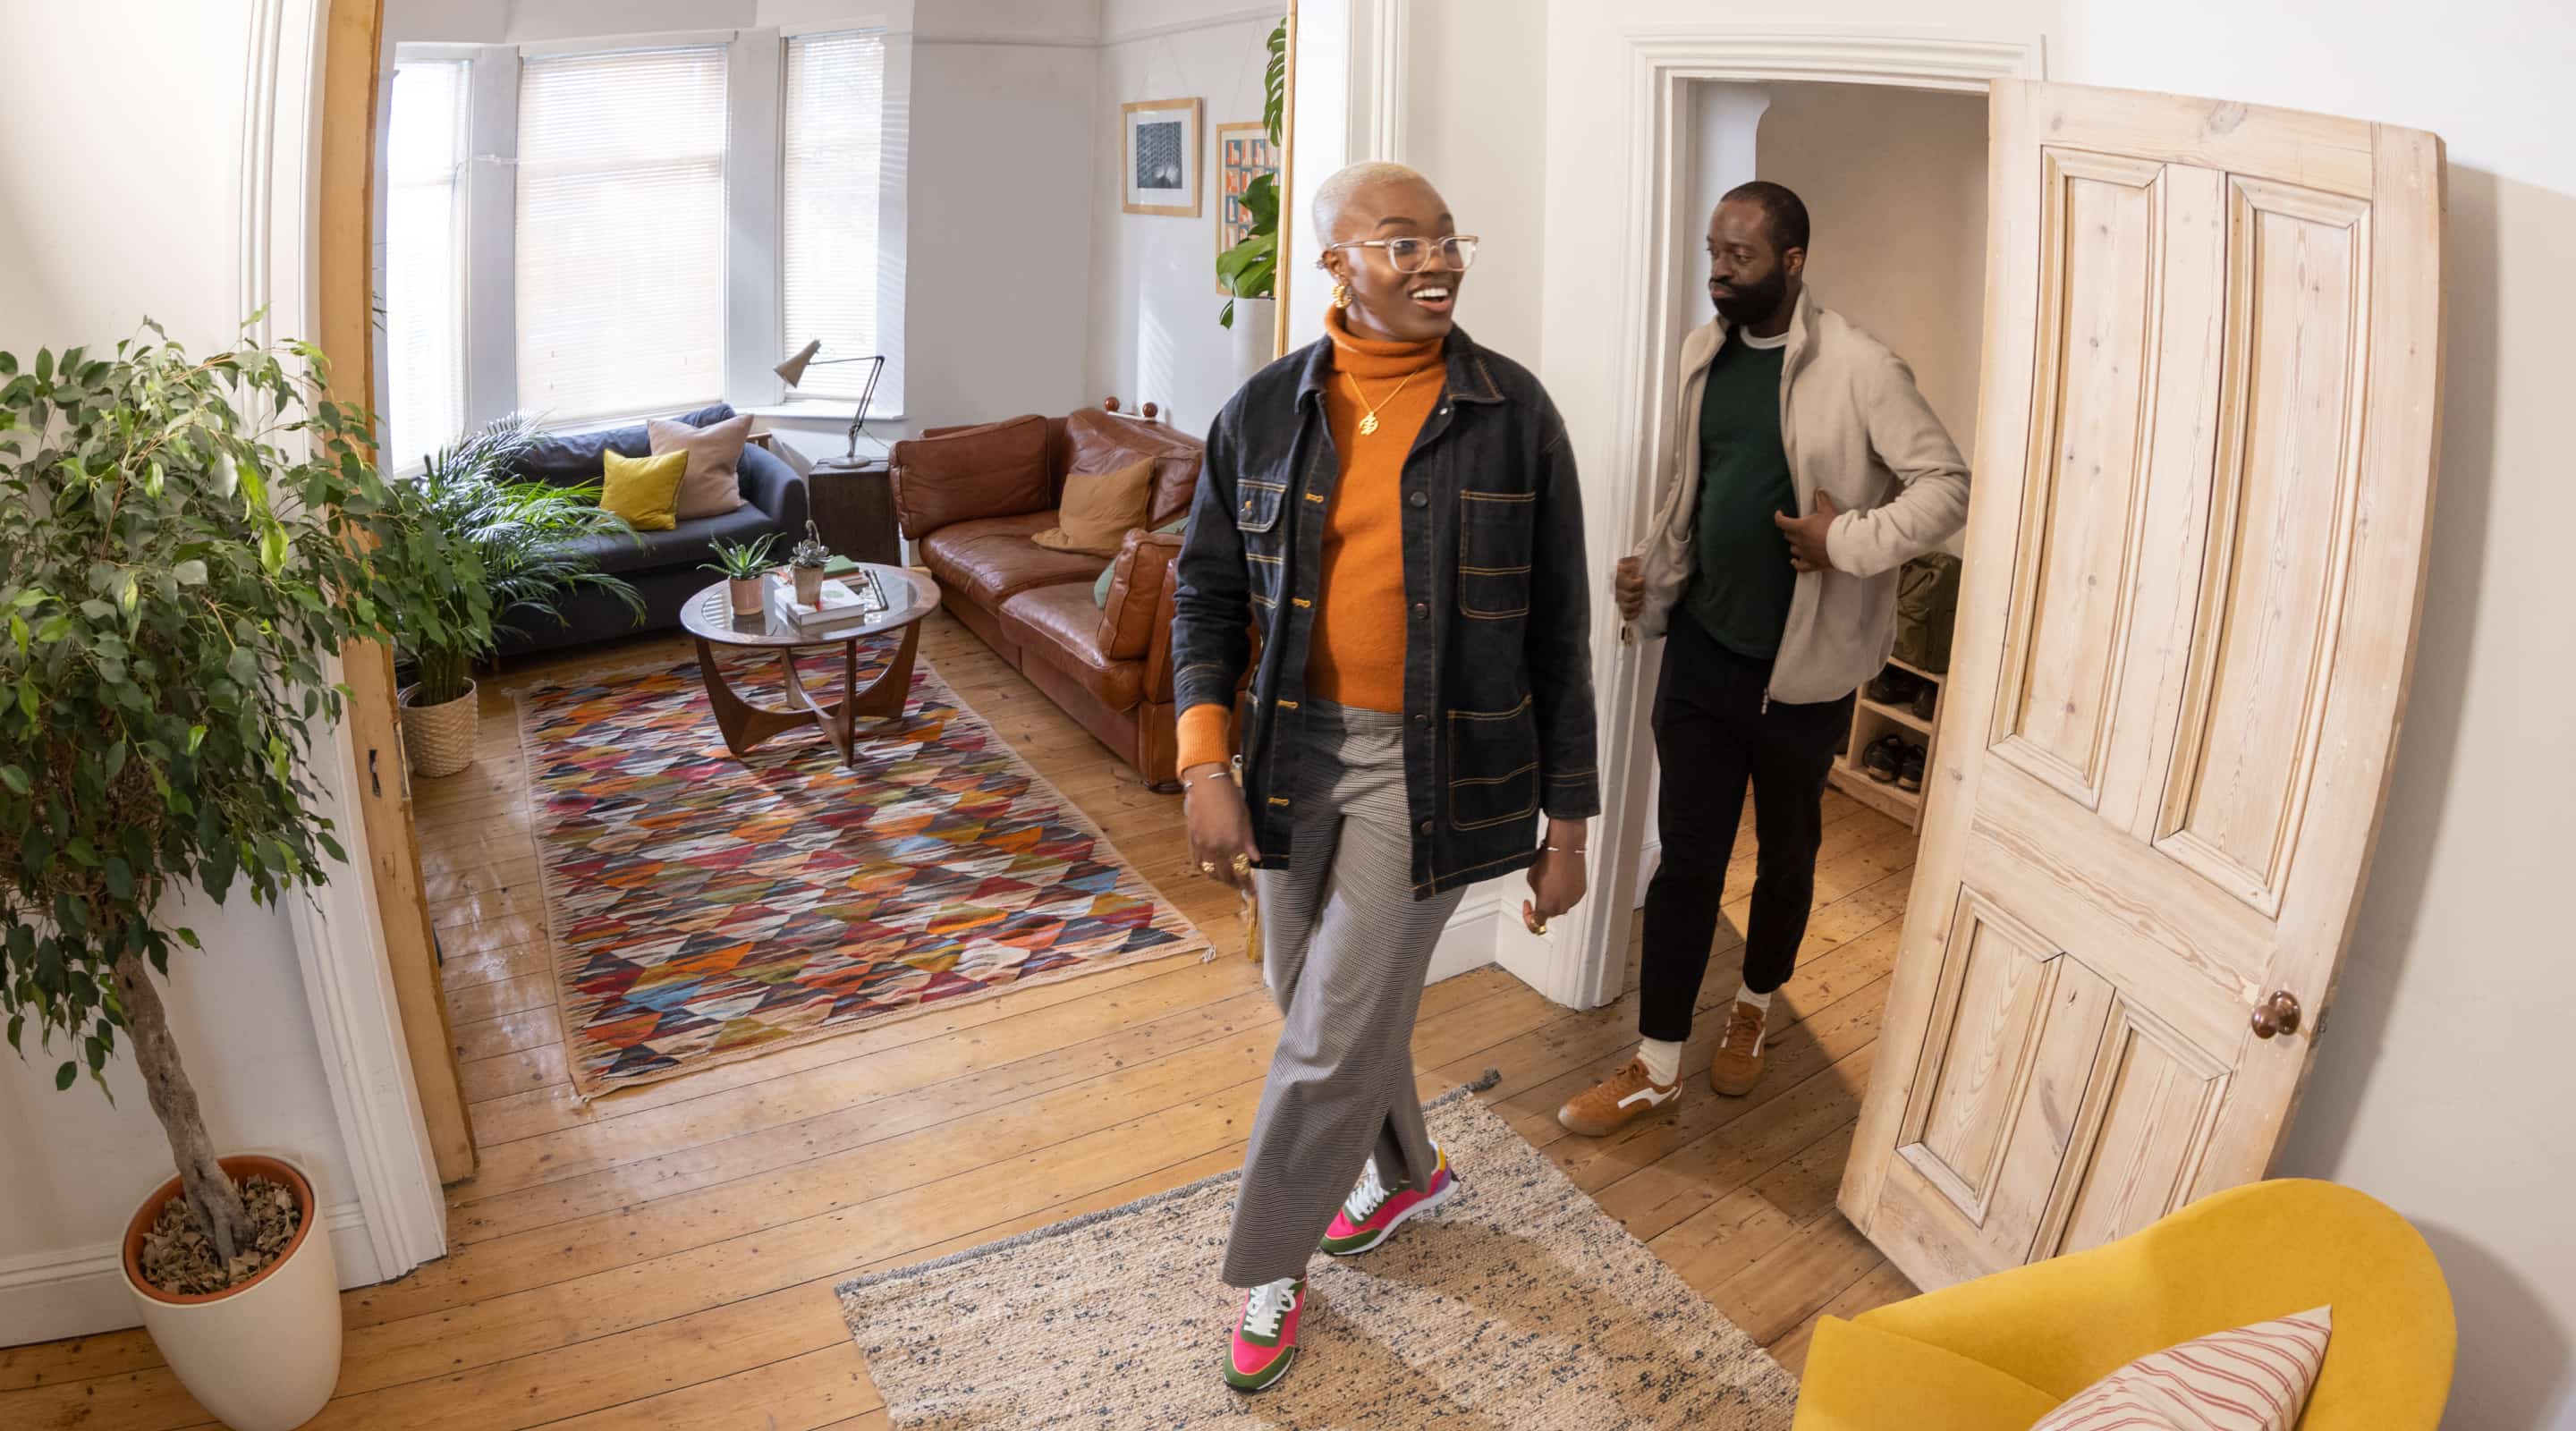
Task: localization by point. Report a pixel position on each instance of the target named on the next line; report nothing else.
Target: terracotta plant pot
(809, 584)
(746, 596)
(440, 738)
(262, 1355)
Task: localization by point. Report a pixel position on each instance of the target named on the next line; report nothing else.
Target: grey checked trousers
(1345, 946)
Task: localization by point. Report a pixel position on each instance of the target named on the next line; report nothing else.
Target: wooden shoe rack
(1875, 720)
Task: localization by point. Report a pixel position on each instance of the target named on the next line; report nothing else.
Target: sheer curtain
(834, 123)
(424, 297)
(621, 232)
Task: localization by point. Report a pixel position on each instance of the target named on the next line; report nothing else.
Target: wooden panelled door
(2195, 552)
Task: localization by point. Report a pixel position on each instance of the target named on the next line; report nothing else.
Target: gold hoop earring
(1341, 295)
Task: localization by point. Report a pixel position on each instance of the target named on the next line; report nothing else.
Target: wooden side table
(853, 507)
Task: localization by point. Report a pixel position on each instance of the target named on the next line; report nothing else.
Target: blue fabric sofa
(663, 567)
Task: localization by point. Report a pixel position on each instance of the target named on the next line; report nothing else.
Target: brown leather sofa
(970, 499)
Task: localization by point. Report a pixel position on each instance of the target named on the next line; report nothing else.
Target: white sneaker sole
(1401, 1219)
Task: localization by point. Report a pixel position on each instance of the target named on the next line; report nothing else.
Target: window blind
(424, 262)
(834, 146)
(621, 231)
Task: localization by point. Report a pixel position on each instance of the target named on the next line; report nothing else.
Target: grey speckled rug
(1518, 1306)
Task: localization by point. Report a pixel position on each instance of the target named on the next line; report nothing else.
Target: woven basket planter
(440, 738)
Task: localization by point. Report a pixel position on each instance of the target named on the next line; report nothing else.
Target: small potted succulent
(743, 565)
(807, 562)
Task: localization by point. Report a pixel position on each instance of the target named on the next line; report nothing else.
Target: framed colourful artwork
(1243, 154)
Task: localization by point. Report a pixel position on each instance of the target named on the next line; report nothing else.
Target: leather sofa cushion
(1104, 442)
(990, 560)
(997, 470)
(1059, 625)
(1135, 597)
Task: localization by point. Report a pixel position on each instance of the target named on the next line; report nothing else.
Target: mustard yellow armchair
(1998, 1353)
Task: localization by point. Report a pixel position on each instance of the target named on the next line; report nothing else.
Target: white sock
(1663, 1060)
(1744, 995)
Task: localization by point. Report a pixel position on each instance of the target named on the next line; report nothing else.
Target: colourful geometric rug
(707, 908)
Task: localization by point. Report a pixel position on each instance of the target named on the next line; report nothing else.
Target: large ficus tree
(180, 559)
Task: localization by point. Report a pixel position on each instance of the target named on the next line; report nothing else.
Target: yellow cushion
(645, 490)
(1100, 510)
(1862, 1379)
(2267, 1249)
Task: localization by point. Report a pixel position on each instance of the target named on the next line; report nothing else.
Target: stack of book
(847, 601)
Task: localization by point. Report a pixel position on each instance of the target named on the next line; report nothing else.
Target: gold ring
(1242, 865)
(1207, 867)
(1535, 926)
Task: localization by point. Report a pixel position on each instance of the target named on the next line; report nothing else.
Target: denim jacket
(1498, 662)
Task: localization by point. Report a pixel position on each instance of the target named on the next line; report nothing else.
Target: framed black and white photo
(1162, 157)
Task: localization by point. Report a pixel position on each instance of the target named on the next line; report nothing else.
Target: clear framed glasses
(1412, 255)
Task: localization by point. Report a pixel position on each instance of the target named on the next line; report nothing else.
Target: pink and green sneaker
(1265, 1336)
(1372, 1214)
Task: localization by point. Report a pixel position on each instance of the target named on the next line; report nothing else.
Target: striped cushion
(2251, 1379)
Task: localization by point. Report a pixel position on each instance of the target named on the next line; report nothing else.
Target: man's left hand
(1806, 534)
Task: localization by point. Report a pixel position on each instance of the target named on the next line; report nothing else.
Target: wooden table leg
(885, 696)
(834, 718)
(744, 725)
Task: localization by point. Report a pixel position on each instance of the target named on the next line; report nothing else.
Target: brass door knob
(2278, 1014)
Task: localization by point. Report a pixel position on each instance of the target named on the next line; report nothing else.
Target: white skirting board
(1469, 941)
(76, 1292)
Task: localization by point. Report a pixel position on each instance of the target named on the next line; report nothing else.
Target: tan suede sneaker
(1737, 1064)
(1612, 1105)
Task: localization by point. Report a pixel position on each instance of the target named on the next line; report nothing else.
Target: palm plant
(481, 545)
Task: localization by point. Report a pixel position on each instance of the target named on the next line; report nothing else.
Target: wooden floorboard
(665, 1257)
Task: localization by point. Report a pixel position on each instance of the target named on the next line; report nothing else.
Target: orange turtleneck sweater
(1356, 654)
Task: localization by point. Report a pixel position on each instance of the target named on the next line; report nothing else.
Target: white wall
(1154, 295)
(1476, 124)
(1001, 181)
(135, 210)
(1895, 186)
(2442, 1081)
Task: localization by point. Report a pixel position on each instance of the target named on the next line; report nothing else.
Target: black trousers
(1715, 736)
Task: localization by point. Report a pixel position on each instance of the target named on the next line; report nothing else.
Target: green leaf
(120, 878)
(191, 572)
(65, 1075)
(272, 549)
(15, 779)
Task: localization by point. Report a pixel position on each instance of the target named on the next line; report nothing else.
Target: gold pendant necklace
(1368, 419)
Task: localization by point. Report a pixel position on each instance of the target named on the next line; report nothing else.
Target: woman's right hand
(1220, 826)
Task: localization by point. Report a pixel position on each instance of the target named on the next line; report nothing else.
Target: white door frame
(339, 939)
(1583, 961)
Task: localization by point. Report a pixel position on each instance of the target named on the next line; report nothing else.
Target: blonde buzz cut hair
(1336, 193)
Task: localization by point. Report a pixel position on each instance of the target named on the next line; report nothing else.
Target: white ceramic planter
(263, 1355)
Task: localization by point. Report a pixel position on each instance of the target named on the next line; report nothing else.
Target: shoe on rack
(1892, 687)
(1881, 760)
(1909, 769)
(1927, 701)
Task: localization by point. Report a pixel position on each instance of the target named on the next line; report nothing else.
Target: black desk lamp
(795, 367)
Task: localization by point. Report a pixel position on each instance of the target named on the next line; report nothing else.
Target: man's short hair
(1786, 212)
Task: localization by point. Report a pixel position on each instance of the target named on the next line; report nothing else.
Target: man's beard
(1752, 305)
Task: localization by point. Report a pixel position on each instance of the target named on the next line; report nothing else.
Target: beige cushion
(2251, 1379)
(1100, 509)
(712, 486)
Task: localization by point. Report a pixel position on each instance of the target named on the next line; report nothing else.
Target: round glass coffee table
(709, 616)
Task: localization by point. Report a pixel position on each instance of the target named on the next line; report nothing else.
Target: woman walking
(1395, 508)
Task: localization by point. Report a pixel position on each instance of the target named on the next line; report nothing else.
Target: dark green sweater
(1740, 592)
